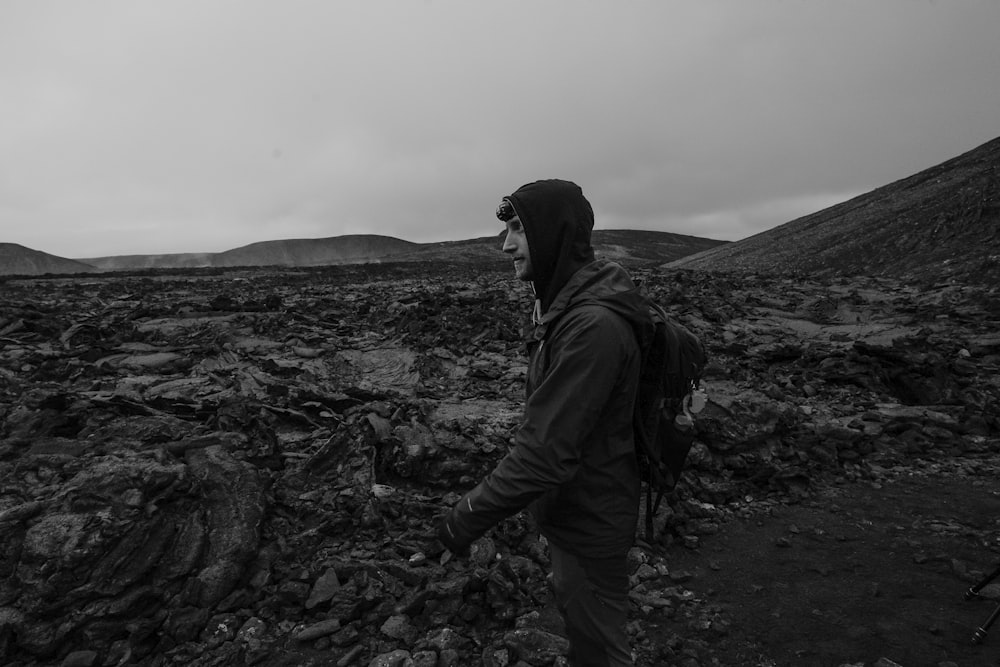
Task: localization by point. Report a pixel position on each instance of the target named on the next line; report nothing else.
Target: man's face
(515, 244)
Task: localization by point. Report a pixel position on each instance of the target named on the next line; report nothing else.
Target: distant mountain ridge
(348, 249)
(626, 246)
(16, 259)
(190, 260)
(315, 252)
(942, 223)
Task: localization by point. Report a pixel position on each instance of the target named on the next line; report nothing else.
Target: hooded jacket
(573, 459)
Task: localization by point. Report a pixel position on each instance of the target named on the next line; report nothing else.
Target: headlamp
(505, 211)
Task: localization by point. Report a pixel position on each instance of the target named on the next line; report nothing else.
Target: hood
(557, 221)
(608, 284)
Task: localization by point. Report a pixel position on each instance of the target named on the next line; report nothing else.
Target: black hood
(557, 221)
(607, 284)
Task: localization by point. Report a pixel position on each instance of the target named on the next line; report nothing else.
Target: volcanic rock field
(244, 467)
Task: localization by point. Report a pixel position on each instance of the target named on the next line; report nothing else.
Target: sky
(168, 126)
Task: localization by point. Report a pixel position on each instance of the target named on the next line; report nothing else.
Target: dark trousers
(592, 596)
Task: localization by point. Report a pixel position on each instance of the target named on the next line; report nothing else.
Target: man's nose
(508, 246)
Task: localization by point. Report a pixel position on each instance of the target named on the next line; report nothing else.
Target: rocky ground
(243, 468)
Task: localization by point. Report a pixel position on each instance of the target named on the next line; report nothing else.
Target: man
(573, 459)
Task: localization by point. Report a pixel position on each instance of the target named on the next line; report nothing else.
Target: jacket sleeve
(587, 354)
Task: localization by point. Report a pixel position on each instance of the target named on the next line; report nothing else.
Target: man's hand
(452, 540)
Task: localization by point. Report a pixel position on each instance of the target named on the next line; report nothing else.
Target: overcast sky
(160, 126)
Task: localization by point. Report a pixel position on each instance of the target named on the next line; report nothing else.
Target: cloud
(190, 126)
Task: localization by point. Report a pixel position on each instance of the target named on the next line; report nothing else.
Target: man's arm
(586, 355)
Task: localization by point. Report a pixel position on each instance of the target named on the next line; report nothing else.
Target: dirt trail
(861, 572)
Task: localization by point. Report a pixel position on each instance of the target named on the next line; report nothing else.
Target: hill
(632, 247)
(352, 249)
(188, 260)
(289, 252)
(942, 223)
(17, 260)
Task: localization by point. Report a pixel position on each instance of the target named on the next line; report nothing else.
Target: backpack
(667, 397)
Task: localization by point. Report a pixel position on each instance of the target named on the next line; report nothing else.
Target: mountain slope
(349, 249)
(17, 260)
(639, 246)
(289, 252)
(167, 261)
(941, 223)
